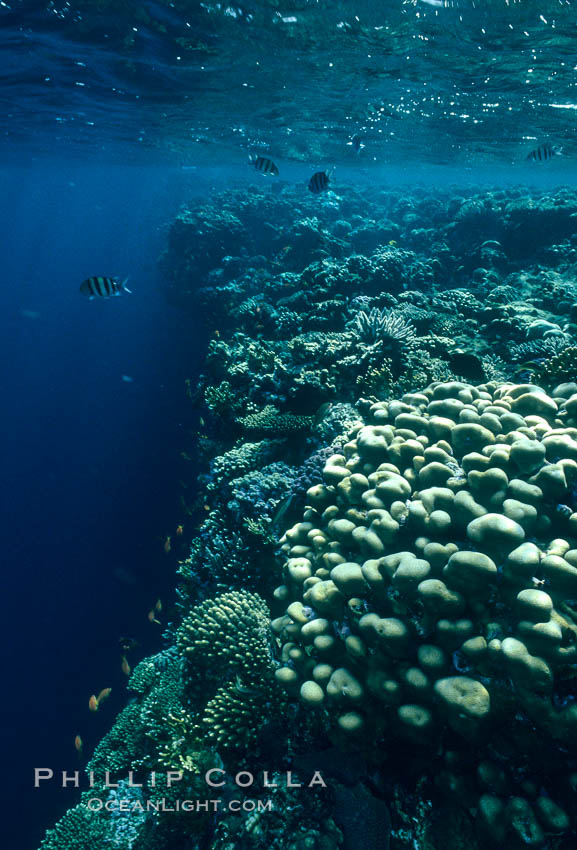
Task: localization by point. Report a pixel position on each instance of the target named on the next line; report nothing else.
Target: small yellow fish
(93, 703)
(167, 545)
(104, 694)
(125, 666)
(179, 530)
(78, 744)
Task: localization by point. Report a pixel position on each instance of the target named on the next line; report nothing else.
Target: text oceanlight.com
(125, 805)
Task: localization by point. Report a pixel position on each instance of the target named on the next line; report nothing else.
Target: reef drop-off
(384, 575)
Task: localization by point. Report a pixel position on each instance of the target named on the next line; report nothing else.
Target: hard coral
(271, 422)
(562, 366)
(228, 634)
(227, 638)
(432, 587)
(384, 325)
(79, 829)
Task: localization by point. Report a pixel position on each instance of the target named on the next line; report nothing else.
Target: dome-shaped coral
(432, 589)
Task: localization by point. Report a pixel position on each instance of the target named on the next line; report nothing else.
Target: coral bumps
(226, 641)
(431, 596)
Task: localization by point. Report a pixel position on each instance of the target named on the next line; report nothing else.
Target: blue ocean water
(113, 115)
(94, 420)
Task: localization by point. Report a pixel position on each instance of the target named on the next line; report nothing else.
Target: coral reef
(226, 642)
(432, 589)
(80, 829)
(390, 390)
(293, 822)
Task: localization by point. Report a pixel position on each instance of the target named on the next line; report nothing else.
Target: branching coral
(138, 733)
(230, 634)
(222, 400)
(80, 829)
(271, 421)
(561, 366)
(384, 326)
(537, 349)
(228, 638)
(257, 493)
(242, 459)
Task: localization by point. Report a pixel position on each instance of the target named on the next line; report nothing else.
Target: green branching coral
(181, 747)
(270, 421)
(140, 730)
(79, 829)
(561, 367)
(235, 715)
(152, 735)
(494, 367)
(261, 530)
(122, 748)
(144, 676)
(126, 817)
(228, 635)
(228, 639)
(377, 381)
(241, 459)
(431, 595)
(114, 819)
(223, 400)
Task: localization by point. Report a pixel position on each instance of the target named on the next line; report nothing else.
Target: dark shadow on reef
(382, 588)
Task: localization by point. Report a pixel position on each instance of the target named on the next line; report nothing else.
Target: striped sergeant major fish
(264, 165)
(544, 152)
(319, 182)
(356, 143)
(103, 287)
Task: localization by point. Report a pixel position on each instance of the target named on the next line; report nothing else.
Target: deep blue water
(90, 461)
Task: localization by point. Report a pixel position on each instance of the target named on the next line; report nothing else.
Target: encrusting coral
(431, 593)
